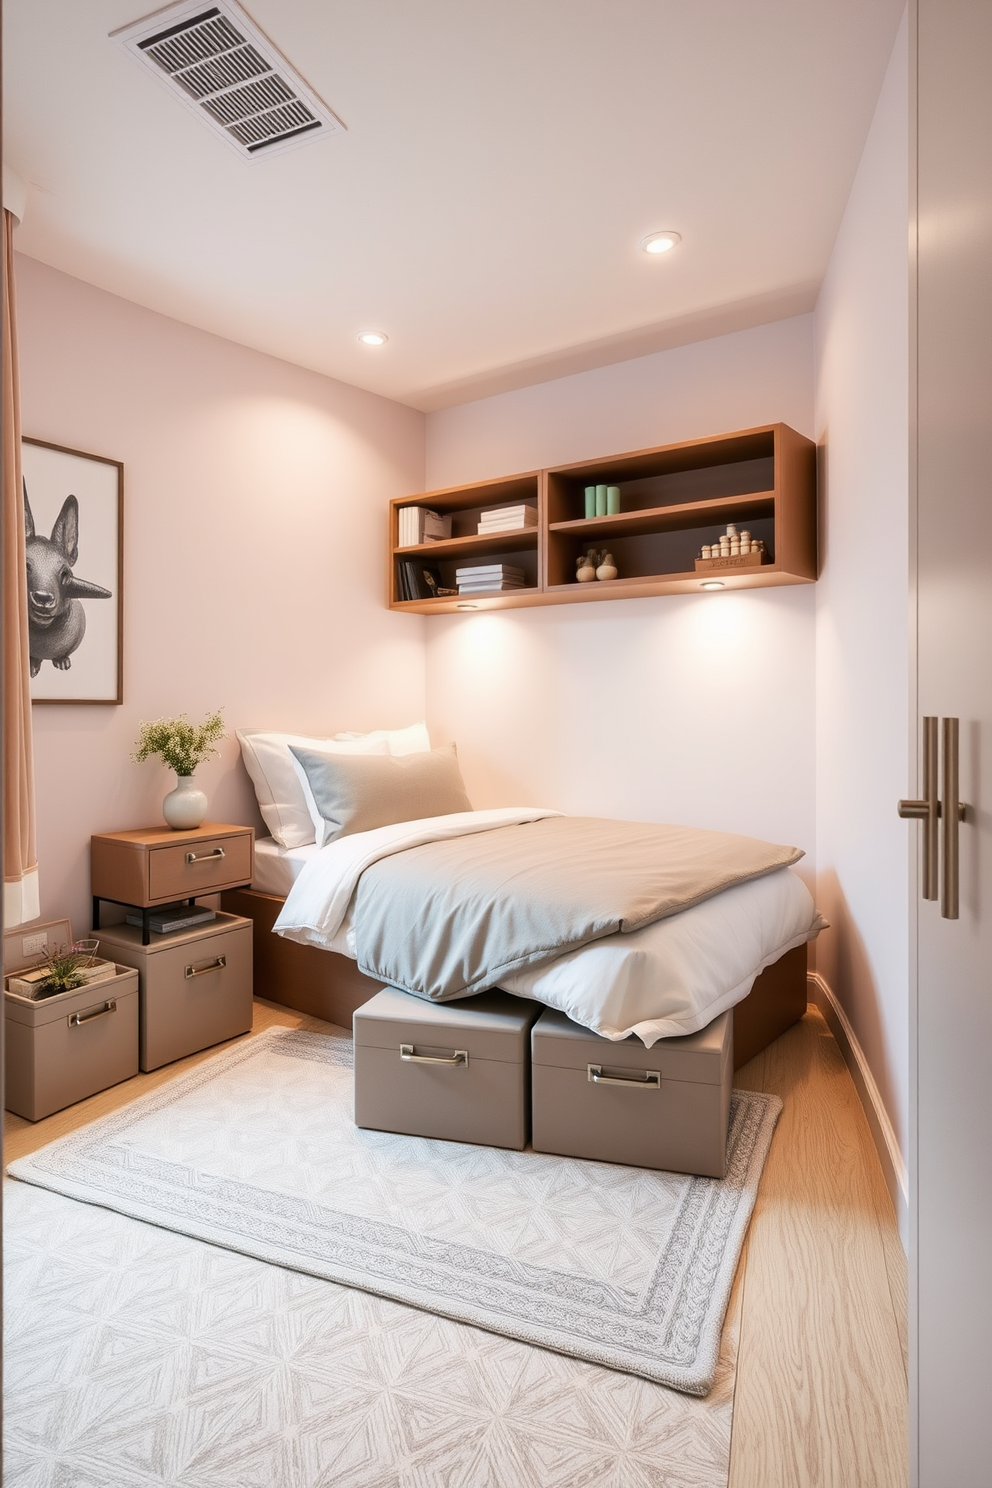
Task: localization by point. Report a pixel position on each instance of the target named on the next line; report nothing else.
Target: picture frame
(74, 526)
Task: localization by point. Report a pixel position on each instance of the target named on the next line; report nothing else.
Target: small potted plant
(62, 972)
(182, 746)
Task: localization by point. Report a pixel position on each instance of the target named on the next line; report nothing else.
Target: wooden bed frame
(327, 985)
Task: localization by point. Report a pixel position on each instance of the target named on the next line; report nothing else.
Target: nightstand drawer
(190, 868)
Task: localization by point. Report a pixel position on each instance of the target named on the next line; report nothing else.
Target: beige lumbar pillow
(354, 793)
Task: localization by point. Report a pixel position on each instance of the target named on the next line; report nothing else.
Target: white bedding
(277, 868)
(670, 978)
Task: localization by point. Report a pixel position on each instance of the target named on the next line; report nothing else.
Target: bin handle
(195, 971)
(650, 1080)
(76, 1020)
(460, 1057)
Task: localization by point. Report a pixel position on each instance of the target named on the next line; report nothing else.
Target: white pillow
(412, 740)
(280, 795)
(357, 795)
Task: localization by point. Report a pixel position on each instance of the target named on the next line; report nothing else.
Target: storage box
(195, 985)
(664, 1107)
(457, 1070)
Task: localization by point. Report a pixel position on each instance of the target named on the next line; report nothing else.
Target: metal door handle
(218, 852)
(76, 1020)
(195, 971)
(650, 1080)
(951, 815)
(941, 814)
(459, 1057)
(927, 810)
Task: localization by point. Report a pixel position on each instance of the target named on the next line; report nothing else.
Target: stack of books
(417, 580)
(507, 519)
(418, 525)
(489, 578)
(170, 917)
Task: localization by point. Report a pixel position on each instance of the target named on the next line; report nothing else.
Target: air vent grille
(222, 67)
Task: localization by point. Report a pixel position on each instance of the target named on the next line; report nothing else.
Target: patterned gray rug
(256, 1151)
(138, 1358)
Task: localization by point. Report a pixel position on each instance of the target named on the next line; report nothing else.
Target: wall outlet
(35, 945)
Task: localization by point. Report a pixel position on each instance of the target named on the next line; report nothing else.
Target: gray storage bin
(666, 1107)
(457, 1070)
(196, 985)
(65, 1048)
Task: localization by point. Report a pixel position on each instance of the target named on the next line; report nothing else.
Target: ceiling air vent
(226, 71)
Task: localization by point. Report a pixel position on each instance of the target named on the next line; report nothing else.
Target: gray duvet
(451, 918)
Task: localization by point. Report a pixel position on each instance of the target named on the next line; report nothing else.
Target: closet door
(951, 1160)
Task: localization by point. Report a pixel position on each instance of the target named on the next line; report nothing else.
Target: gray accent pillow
(356, 792)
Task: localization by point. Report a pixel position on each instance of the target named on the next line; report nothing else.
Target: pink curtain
(20, 859)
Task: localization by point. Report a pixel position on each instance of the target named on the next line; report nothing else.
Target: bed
(774, 910)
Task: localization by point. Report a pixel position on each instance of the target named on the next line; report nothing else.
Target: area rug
(138, 1358)
(256, 1151)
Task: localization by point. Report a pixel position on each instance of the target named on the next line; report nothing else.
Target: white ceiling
(500, 165)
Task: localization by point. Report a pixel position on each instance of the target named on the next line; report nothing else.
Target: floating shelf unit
(672, 500)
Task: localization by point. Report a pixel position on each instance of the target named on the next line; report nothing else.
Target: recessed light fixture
(660, 242)
(466, 607)
(373, 338)
(712, 584)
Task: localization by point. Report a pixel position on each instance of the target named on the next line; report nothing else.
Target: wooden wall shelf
(672, 500)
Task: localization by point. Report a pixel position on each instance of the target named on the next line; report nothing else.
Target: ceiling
(484, 208)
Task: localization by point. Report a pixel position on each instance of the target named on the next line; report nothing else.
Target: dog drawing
(56, 619)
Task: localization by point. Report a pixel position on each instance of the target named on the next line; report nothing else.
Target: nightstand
(156, 865)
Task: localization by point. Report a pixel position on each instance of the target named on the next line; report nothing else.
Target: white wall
(255, 535)
(696, 709)
(864, 745)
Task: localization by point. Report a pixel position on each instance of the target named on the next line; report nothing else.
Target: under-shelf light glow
(712, 584)
(373, 338)
(660, 242)
(466, 607)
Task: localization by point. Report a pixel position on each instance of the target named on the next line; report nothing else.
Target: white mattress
(672, 977)
(277, 868)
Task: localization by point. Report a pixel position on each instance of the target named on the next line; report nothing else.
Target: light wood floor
(821, 1396)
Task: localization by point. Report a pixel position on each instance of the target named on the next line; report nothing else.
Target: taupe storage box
(196, 985)
(64, 1048)
(665, 1107)
(457, 1070)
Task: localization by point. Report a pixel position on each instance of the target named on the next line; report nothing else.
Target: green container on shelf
(612, 500)
(601, 501)
(590, 501)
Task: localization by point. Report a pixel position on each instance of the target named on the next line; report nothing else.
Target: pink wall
(864, 741)
(695, 709)
(255, 533)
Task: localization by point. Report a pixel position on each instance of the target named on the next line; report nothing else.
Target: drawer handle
(650, 1080)
(195, 971)
(460, 1057)
(76, 1020)
(218, 852)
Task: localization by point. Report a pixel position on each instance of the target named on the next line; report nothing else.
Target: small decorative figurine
(585, 568)
(607, 569)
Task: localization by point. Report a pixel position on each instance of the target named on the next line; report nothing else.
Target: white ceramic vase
(186, 806)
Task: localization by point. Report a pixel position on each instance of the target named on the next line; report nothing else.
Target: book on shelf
(490, 571)
(507, 519)
(417, 524)
(422, 581)
(170, 917)
(491, 586)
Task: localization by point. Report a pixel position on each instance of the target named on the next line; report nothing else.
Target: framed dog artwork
(74, 529)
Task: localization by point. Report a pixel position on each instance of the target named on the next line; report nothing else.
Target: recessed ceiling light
(661, 242)
(712, 584)
(373, 338)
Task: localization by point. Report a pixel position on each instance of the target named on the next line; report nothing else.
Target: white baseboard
(883, 1135)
